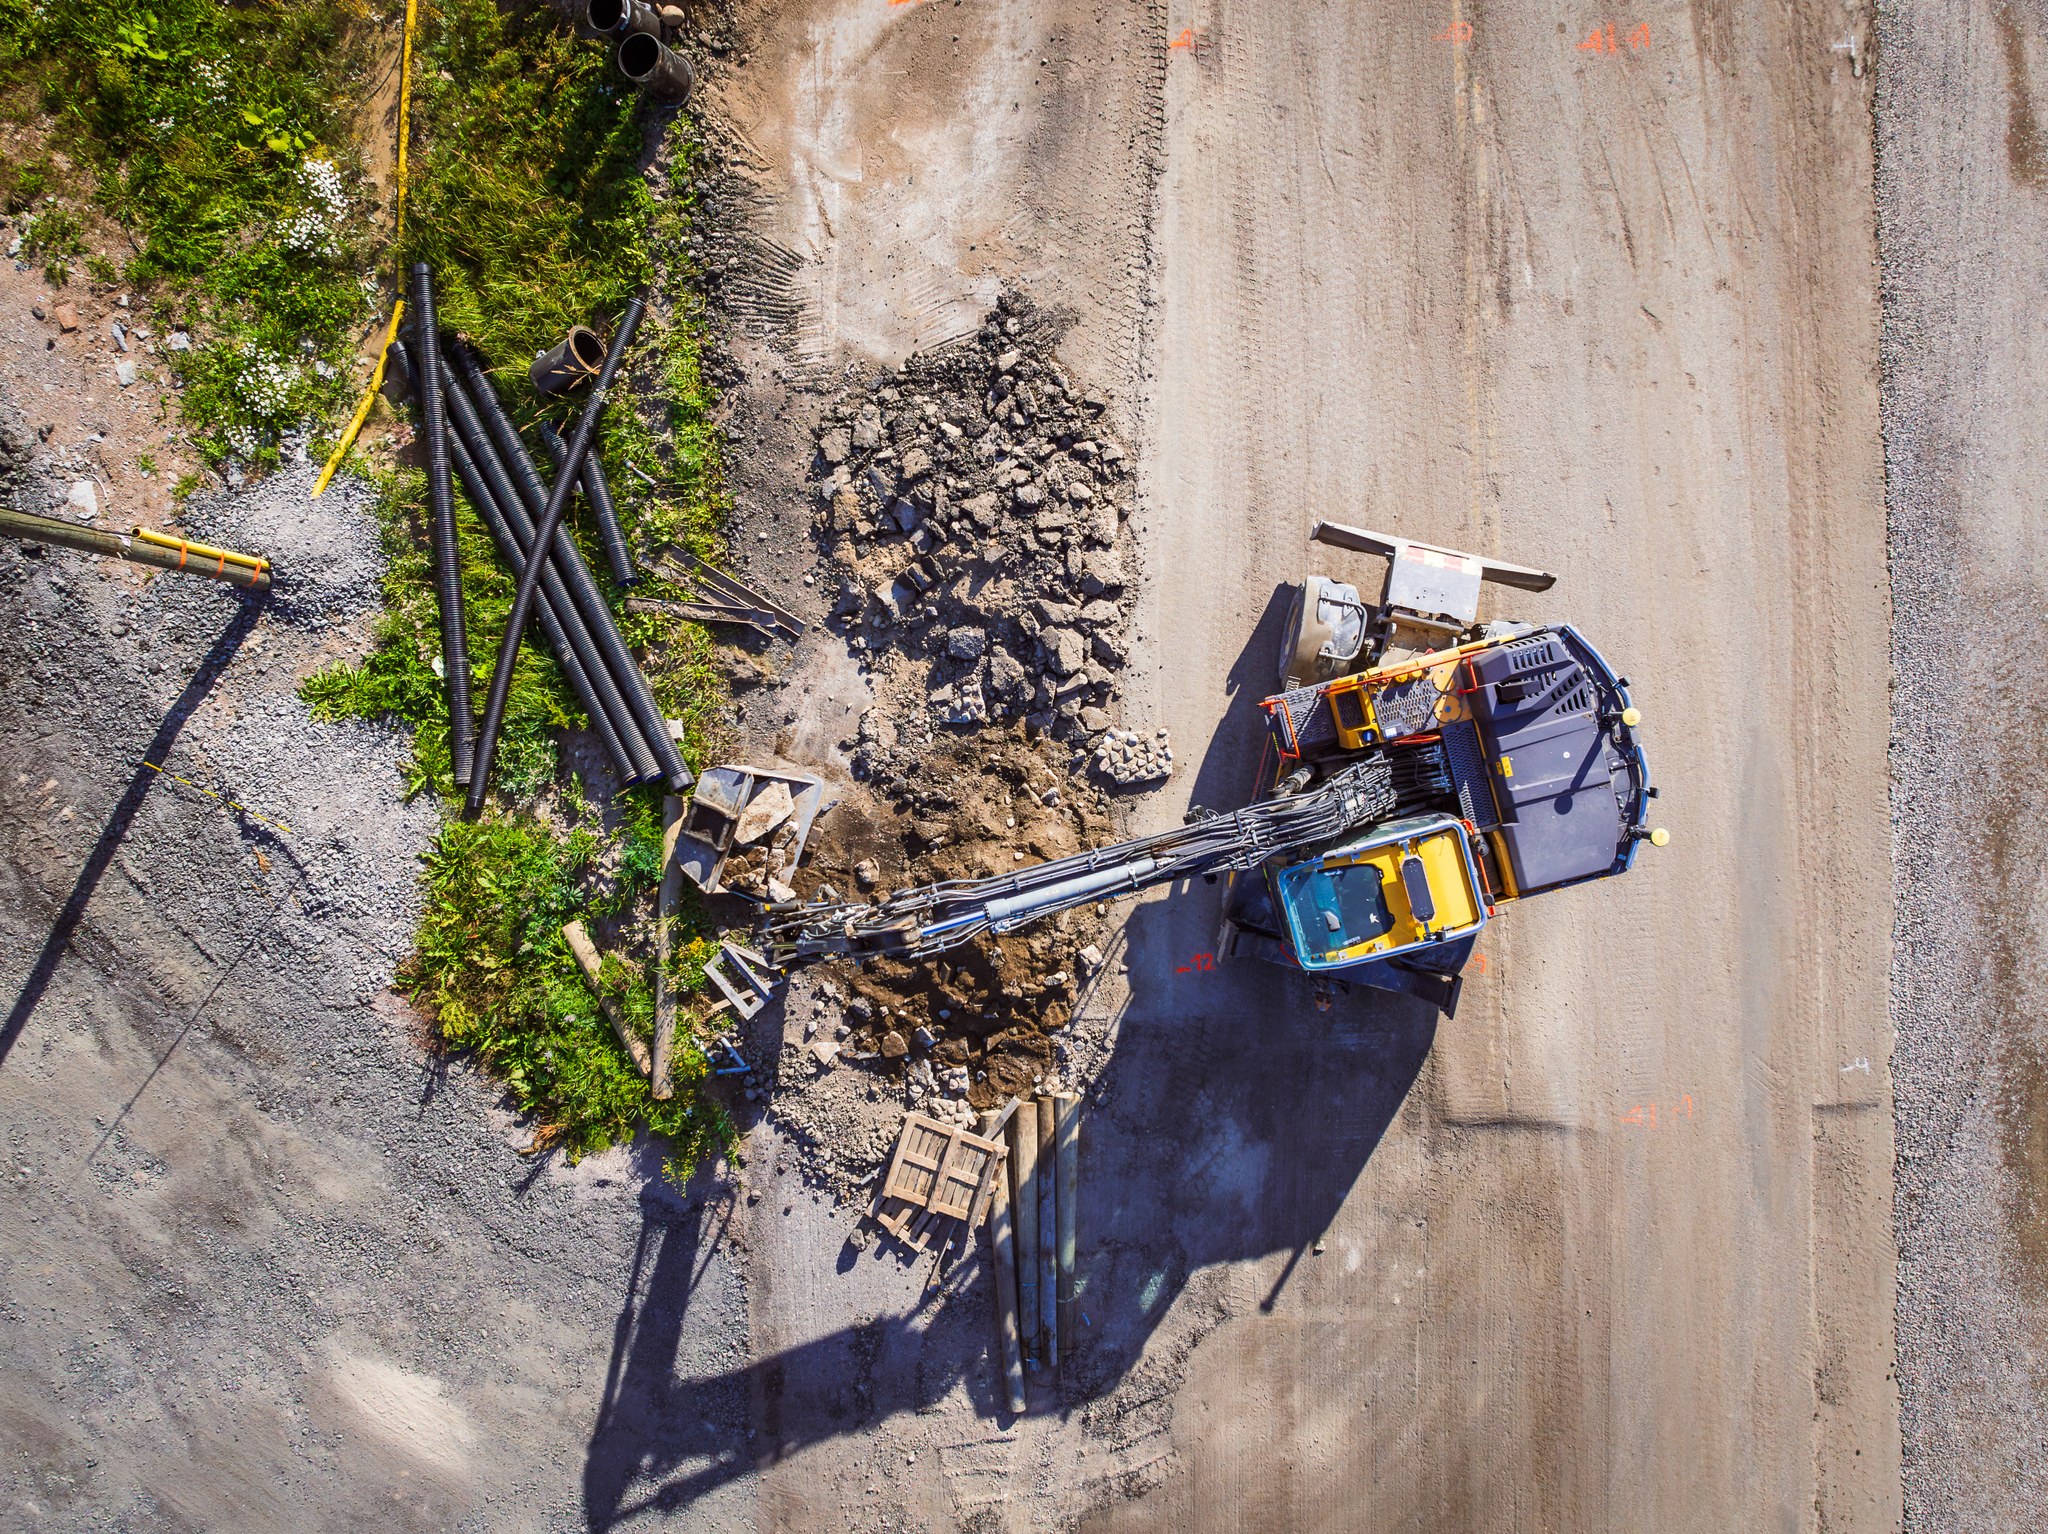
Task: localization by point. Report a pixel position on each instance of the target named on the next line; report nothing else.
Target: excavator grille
(1301, 722)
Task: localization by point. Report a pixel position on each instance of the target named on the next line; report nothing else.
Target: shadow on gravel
(216, 660)
(1209, 1141)
(1231, 1124)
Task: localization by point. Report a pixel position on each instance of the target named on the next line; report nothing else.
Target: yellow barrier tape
(355, 425)
(222, 798)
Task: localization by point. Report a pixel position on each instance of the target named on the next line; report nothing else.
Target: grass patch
(529, 203)
(494, 973)
(216, 137)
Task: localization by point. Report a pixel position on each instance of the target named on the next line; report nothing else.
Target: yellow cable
(355, 425)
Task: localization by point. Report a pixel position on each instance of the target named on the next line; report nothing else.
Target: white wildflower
(265, 384)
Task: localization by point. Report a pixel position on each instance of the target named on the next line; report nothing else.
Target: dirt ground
(1962, 176)
(1612, 1248)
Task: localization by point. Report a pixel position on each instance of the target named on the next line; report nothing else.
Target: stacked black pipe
(597, 491)
(498, 475)
(511, 452)
(447, 561)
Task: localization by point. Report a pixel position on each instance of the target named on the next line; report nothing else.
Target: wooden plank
(895, 1162)
(1024, 1209)
(1048, 1240)
(664, 946)
(587, 960)
(1002, 1253)
(960, 1179)
(1067, 1175)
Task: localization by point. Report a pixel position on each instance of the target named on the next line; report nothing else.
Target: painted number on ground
(1201, 964)
(1604, 39)
(1456, 32)
(1644, 1115)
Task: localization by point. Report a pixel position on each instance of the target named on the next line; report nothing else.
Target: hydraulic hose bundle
(941, 916)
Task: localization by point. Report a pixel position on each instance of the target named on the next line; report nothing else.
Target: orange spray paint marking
(1602, 39)
(1456, 32)
(1644, 1115)
(1479, 962)
(1185, 40)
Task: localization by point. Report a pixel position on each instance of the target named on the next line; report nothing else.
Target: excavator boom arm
(936, 917)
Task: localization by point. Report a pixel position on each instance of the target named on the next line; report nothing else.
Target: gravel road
(263, 1265)
(1962, 175)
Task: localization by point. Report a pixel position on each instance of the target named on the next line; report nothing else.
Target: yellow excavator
(1421, 770)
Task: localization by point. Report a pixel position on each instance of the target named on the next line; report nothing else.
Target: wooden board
(938, 1166)
(939, 1174)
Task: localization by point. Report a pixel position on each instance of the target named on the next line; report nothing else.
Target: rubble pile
(973, 506)
(1123, 756)
(964, 1030)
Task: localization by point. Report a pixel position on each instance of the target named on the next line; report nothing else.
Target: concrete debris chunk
(771, 805)
(1125, 757)
(84, 498)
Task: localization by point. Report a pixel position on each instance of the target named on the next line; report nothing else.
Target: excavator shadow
(1218, 1139)
(1230, 1126)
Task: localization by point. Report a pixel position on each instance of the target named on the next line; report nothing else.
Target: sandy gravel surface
(1612, 1248)
(1962, 173)
(1622, 1257)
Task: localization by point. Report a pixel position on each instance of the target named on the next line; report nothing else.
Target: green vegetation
(216, 137)
(528, 201)
(219, 140)
(493, 969)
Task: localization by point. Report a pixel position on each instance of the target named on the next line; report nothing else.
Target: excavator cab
(1403, 889)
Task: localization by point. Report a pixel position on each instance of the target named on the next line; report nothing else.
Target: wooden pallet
(940, 1174)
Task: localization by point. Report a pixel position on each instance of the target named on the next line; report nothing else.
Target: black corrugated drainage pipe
(571, 363)
(597, 614)
(447, 559)
(529, 581)
(638, 762)
(598, 492)
(491, 493)
(655, 68)
(622, 18)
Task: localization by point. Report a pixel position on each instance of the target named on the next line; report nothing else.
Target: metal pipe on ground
(597, 614)
(447, 558)
(1024, 1200)
(1003, 1257)
(549, 523)
(58, 533)
(656, 68)
(1067, 1174)
(664, 944)
(609, 713)
(1048, 1241)
(598, 492)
